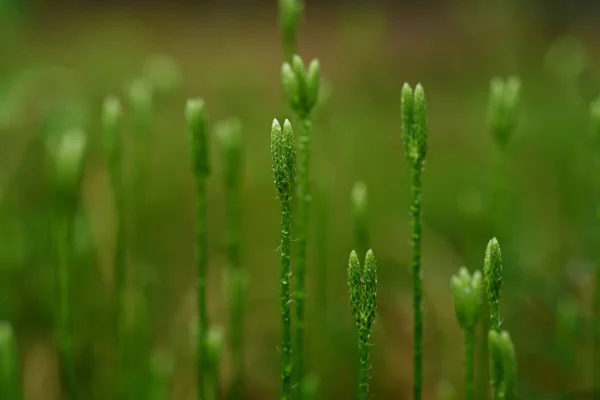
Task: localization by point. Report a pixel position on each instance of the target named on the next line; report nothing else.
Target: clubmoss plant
(290, 12)
(414, 135)
(68, 155)
(301, 87)
(360, 202)
(492, 272)
(503, 365)
(362, 281)
(10, 385)
(230, 138)
(196, 117)
(283, 153)
(467, 294)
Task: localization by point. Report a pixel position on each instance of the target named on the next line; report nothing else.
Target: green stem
(596, 333)
(415, 213)
(286, 349)
(65, 246)
(201, 254)
(302, 239)
(470, 363)
(237, 286)
(363, 346)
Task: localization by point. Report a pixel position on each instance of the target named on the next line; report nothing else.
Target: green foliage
(362, 282)
(10, 385)
(414, 124)
(502, 108)
(301, 85)
(414, 135)
(67, 154)
(290, 12)
(283, 154)
(467, 294)
(503, 365)
(492, 272)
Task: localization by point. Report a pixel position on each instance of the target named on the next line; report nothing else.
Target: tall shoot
(414, 135)
(283, 154)
(196, 117)
(229, 134)
(290, 12)
(67, 155)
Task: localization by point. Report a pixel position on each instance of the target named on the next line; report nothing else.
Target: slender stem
(469, 361)
(363, 346)
(65, 243)
(201, 254)
(236, 282)
(286, 349)
(415, 213)
(302, 239)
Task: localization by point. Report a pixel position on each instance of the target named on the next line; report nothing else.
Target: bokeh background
(59, 59)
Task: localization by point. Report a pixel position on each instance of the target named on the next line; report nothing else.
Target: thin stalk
(469, 368)
(10, 385)
(415, 214)
(363, 346)
(65, 248)
(302, 241)
(286, 271)
(201, 248)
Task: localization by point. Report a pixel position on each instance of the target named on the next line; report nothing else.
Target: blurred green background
(58, 60)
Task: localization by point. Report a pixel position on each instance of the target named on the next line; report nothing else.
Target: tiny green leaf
(290, 85)
(313, 82)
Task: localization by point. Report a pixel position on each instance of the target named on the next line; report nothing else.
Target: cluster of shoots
(301, 88)
(362, 282)
(467, 294)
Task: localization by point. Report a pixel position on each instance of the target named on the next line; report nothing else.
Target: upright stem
(469, 363)
(302, 239)
(596, 334)
(65, 245)
(201, 254)
(236, 283)
(286, 349)
(363, 346)
(415, 213)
